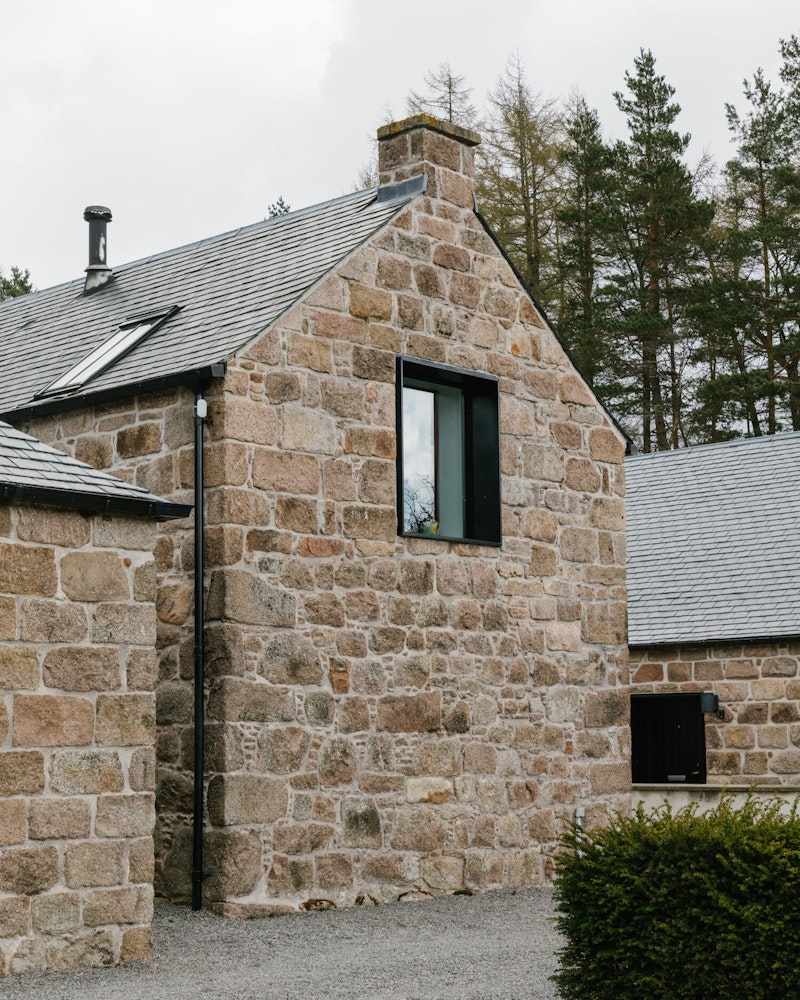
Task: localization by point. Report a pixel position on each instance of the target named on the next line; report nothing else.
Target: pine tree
(767, 181)
(446, 97)
(18, 283)
(586, 187)
(654, 233)
(518, 179)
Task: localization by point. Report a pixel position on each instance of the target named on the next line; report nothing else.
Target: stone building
(412, 527)
(77, 710)
(714, 609)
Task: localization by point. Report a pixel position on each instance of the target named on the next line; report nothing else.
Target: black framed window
(668, 739)
(448, 468)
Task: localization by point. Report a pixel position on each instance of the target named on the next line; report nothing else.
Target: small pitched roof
(228, 290)
(32, 471)
(714, 542)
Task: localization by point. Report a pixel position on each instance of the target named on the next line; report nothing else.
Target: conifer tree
(654, 233)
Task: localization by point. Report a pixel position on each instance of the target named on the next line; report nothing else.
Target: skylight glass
(102, 357)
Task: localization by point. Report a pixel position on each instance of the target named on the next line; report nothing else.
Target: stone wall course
(359, 681)
(74, 580)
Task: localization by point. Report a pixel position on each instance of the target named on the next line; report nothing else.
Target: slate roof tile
(230, 288)
(34, 471)
(714, 542)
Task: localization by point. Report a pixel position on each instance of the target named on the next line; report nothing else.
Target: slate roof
(714, 542)
(30, 470)
(229, 289)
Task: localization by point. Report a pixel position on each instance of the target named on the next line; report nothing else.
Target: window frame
(125, 338)
(480, 434)
(655, 720)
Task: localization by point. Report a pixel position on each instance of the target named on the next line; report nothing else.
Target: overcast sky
(189, 117)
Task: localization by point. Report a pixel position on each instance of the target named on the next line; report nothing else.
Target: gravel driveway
(498, 945)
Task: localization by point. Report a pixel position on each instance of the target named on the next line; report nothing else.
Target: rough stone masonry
(386, 715)
(77, 738)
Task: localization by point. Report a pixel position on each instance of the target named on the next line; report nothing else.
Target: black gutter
(200, 413)
(94, 503)
(191, 376)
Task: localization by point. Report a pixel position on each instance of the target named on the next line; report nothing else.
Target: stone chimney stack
(427, 145)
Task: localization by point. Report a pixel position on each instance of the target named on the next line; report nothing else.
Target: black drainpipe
(200, 412)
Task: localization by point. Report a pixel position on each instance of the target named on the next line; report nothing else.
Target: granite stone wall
(148, 440)
(77, 732)
(758, 684)
(389, 715)
(386, 716)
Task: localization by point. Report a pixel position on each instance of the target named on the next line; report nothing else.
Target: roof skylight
(117, 346)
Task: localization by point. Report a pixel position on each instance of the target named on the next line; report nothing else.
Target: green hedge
(677, 905)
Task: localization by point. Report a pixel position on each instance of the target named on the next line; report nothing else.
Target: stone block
(361, 823)
(443, 874)
(236, 700)
(109, 906)
(291, 658)
(125, 719)
(124, 533)
(334, 871)
(94, 863)
(19, 668)
(290, 876)
(370, 303)
(13, 823)
(324, 609)
(27, 569)
(234, 863)
(141, 439)
(124, 624)
(353, 715)
(417, 828)
(319, 708)
(94, 576)
(141, 861)
(94, 950)
(429, 789)
(53, 527)
(8, 619)
(28, 870)
(15, 913)
(235, 799)
(51, 621)
(56, 913)
(605, 446)
(302, 838)
(609, 778)
(338, 761)
(174, 703)
(309, 431)
(136, 945)
(370, 522)
(85, 772)
(410, 713)
(237, 595)
(125, 815)
(286, 472)
(42, 720)
(142, 770)
(282, 750)
(175, 603)
(59, 819)
(21, 773)
(82, 668)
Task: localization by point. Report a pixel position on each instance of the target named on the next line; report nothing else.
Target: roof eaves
(93, 503)
(193, 377)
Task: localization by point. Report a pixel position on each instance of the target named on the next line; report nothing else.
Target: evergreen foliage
(682, 906)
(17, 283)
(678, 296)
